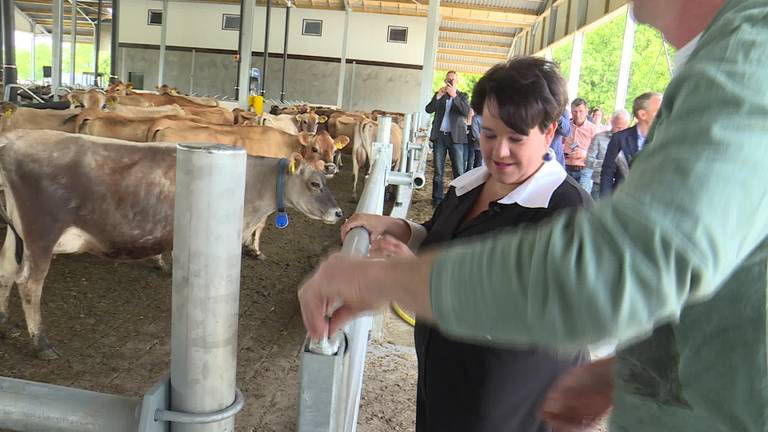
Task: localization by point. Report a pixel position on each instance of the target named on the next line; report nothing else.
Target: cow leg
(8, 269)
(257, 239)
(34, 268)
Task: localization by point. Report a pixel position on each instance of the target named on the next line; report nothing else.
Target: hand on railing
(377, 225)
(387, 246)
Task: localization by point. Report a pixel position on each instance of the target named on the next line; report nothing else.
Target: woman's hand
(386, 246)
(377, 225)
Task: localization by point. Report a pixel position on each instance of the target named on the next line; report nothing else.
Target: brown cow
(112, 199)
(117, 126)
(362, 147)
(14, 117)
(114, 105)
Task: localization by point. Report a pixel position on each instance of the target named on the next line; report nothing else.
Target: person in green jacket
(674, 265)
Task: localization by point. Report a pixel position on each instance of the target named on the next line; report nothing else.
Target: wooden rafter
(477, 32)
(475, 43)
(470, 53)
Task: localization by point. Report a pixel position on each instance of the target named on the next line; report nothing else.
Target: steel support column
(430, 51)
(114, 42)
(625, 66)
(247, 15)
(285, 49)
(57, 36)
(97, 43)
(210, 187)
(34, 50)
(163, 38)
(192, 72)
(9, 45)
(73, 44)
(266, 49)
(343, 64)
(575, 72)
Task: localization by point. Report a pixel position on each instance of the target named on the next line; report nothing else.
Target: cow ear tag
(8, 112)
(339, 145)
(281, 221)
(292, 167)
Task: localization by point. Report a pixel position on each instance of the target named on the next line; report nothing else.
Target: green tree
(561, 55)
(600, 64)
(650, 70)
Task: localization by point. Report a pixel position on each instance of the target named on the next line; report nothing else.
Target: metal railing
(331, 383)
(7, 93)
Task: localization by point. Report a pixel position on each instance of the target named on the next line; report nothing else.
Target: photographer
(449, 131)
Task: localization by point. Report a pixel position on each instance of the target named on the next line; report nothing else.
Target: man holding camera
(449, 131)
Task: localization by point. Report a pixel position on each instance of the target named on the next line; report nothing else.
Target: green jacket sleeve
(693, 210)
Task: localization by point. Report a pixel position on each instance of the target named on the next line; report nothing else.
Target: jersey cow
(113, 199)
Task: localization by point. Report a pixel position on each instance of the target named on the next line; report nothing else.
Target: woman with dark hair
(466, 386)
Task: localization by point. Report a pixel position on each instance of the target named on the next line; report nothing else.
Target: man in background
(576, 144)
(596, 153)
(449, 131)
(625, 145)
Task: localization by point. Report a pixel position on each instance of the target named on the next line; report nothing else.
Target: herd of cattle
(99, 177)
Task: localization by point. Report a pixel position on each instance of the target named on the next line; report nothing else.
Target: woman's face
(510, 157)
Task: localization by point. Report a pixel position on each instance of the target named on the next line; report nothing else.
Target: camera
(449, 81)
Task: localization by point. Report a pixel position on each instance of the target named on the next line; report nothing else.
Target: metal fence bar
(31, 406)
(210, 188)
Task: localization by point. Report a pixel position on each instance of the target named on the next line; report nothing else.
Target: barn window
(397, 34)
(230, 22)
(312, 27)
(155, 17)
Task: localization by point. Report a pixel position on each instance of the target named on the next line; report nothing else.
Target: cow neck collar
(281, 221)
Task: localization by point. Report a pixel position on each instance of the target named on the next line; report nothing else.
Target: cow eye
(315, 185)
(314, 150)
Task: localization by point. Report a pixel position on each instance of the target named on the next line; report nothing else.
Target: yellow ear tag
(292, 167)
(339, 145)
(8, 113)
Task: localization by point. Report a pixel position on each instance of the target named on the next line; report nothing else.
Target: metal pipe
(163, 37)
(350, 97)
(285, 49)
(406, 140)
(192, 73)
(210, 187)
(26, 405)
(73, 44)
(266, 49)
(343, 64)
(2, 50)
(57, 36)
(9, 45)
(247, 16)
(34, 50)
(114, 43)
(97, 44)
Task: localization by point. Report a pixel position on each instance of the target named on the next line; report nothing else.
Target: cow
(362, 147)
(112, 199)
(114, 105)
(212, 115)
(166, 90)
(111, 125)
(291, 123)
(14, 117)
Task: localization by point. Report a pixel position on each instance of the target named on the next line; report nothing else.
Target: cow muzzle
(332, 216)
(330, 169)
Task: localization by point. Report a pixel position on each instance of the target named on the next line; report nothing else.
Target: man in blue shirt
(449, 131)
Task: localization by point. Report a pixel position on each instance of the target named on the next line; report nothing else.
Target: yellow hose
(403, 314)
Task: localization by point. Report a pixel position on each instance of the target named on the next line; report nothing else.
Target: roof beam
(505, 10)
(477, 32)
(470, 53)
(489, 21)
(475, 43)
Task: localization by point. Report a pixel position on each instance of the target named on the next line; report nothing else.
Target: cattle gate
(200, 394)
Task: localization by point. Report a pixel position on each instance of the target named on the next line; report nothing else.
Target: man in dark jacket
(449, 131)
(624, 145)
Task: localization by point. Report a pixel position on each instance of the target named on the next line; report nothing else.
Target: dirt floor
(111, 322)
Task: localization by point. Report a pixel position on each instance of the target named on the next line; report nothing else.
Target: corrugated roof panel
(532, 6)
(455, 25)
(478, 48)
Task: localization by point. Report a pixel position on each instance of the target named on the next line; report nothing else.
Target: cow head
(94, 99)
(75, 99)
(308, 122)
(119, 89)
(320, 147)
(306, 190)
(165, 89)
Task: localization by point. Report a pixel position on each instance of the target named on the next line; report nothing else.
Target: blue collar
(281, 221)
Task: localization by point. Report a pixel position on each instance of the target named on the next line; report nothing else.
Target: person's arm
(592, 152)
(564, 125)
(609, 170)
(461, 104)
(432, 105)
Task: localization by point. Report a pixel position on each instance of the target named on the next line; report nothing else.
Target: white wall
(198, 25)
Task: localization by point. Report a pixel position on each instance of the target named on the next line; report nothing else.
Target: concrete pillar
(430, 51)
(626, 61)
(343, 65)
(163, 38)
(247, 8)
(575, 73)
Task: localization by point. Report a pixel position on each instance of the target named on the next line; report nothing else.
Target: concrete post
(210, 188)
(57, 36)
(430, 51)
(343, 65)
(163, 38)
(575, 73)
(73, 44)
(248, 8)
(626, 61)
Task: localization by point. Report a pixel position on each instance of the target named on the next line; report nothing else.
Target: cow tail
(355, 146)
(19, 253)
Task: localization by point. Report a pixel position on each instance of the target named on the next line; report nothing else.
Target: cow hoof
(48, 354)
(260, 256)
(9, 331)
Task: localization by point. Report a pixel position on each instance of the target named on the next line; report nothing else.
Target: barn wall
(367, 86)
